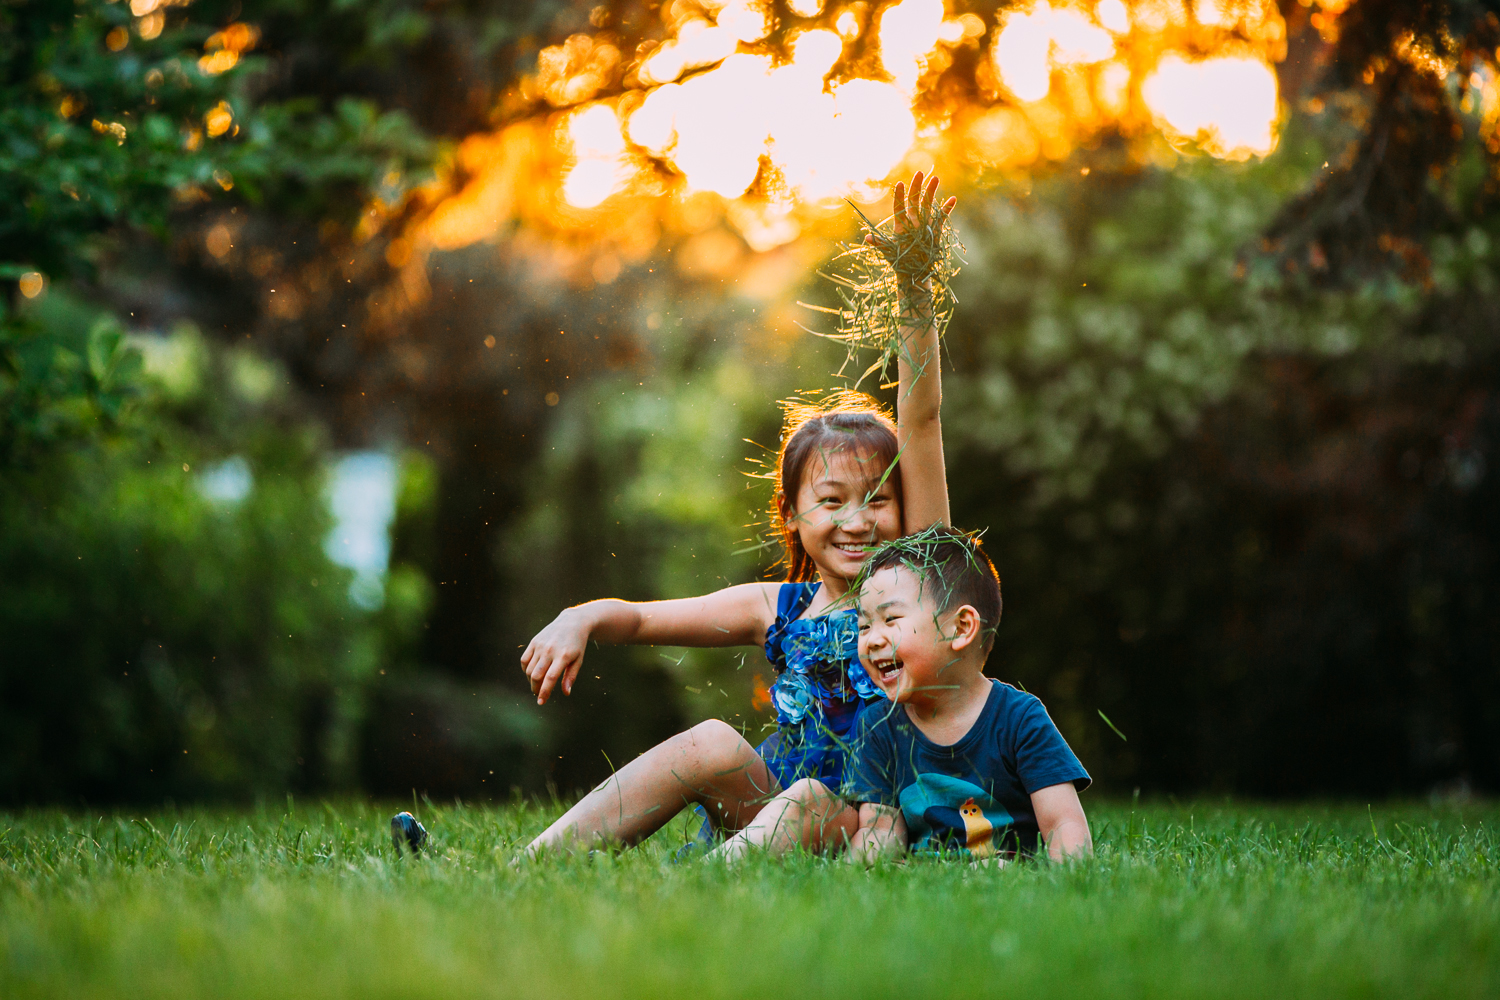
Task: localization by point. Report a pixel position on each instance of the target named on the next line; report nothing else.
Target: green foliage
(429, 732)
(651, 487)
(1098, 322)
(92, 139)
(1247, 517)
(1181, 901)
(55, 391)
(159, 640)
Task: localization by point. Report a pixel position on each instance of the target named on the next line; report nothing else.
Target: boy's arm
(919, 395)
(734, 616)
(881, 834)
(1065, 828)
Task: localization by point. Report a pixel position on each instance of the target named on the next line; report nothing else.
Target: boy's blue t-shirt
(975, 794)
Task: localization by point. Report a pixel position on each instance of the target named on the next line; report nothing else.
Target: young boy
(955, 762)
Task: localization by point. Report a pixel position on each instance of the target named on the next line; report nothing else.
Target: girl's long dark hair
(846, 421)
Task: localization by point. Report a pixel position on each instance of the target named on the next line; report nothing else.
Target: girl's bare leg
(808, 815)
(709, 765)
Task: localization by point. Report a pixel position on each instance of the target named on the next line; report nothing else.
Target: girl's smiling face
(844, 506)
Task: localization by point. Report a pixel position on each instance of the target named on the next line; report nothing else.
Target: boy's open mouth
(885, 671)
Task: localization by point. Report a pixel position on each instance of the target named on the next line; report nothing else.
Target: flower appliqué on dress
(819, 664)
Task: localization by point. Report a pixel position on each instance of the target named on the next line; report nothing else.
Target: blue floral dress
(819, 691)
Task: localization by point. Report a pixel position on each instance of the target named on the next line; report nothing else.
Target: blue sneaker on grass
(406, 830)
(704, 841)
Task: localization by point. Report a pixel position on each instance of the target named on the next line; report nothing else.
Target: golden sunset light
(781, 127)
(1229, 102)
(1031, 45)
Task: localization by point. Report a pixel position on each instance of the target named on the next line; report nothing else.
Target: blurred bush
(1246, 515)
(425, 730)
(172, 625)
(428, 733)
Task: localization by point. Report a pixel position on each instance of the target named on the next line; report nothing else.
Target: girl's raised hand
(555, 655)
(915, 246)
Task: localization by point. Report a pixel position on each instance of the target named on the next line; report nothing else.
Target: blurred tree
(173, 627)
(1397, 79)
(160, 640)
(1235, 429)
(1229, 426)
(1230, 512)
(1160, 394)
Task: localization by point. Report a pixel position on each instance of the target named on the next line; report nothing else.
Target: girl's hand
(555, 654)
(734, 616)
(915, 246)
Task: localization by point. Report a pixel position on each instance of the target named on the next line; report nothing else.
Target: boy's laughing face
(902, 640)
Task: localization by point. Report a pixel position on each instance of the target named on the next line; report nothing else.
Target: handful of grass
(895, 277)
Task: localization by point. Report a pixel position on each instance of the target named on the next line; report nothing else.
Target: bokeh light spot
(1228, 104)
(218, 119)
(600, 170)
(1113, 15)
(1030, 46)
(720, 128)
(32, 283)
(908, 32)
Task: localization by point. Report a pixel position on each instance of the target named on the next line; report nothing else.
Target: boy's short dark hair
(953, 565)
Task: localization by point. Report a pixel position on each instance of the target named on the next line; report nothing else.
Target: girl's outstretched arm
(734, 616)
(919, 397)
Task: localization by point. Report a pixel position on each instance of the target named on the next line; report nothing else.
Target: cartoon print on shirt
(978, 831)
(943, 812)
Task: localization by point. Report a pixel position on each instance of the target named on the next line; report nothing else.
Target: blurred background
(343, 344)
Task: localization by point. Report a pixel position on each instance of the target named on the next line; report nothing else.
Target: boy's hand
(555, 654)
(915, 247)
(881, 834)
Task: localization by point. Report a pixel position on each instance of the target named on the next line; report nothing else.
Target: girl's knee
(809, 790)
(716, 738)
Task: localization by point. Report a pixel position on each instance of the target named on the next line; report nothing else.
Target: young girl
(839, 492)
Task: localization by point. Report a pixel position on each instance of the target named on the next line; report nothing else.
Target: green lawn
(1205, 899)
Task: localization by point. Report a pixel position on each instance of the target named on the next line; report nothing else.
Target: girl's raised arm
(734, 616)
(919, 429)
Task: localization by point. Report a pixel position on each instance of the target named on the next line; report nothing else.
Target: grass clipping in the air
(873, 278)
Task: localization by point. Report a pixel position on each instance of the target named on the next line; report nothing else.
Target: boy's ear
(965, 628)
